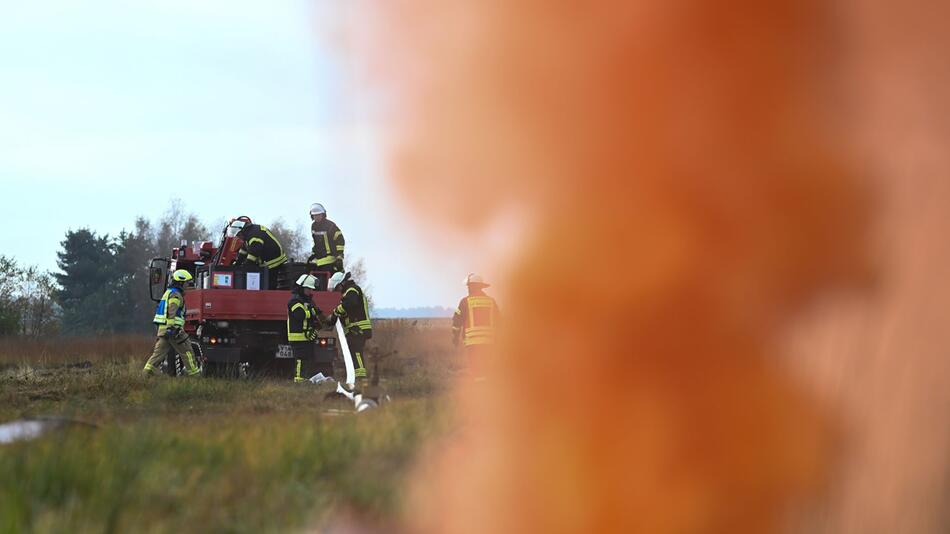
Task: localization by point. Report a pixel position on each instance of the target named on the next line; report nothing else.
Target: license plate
(284, 351)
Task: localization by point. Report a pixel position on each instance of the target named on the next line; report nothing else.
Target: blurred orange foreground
(690, 191)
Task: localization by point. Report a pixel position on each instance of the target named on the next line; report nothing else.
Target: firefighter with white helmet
(303, 321)
(328, 242)
(170, 318)
(475, 320)
(354, 312)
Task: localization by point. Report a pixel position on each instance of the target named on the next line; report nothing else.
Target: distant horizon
(413, 312)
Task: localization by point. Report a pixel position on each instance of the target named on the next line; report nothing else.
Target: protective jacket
(301, 315)
(354, 311)
(170, 312)
(260, 247)
(328, 245)
(476, 319)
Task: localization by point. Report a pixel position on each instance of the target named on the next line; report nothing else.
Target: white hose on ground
(347, 357)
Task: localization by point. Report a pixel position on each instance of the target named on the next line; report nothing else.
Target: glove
(333, 318)
(172, 332)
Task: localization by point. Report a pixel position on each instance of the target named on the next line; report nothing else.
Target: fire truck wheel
(170, 365)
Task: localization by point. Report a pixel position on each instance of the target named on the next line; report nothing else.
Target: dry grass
(199, 455)
(64, 350)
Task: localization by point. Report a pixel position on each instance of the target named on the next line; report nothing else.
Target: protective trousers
(357, 343)
(303, 360)
(476, 358)
(181, 345)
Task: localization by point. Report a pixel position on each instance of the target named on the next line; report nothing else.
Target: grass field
(204, 455)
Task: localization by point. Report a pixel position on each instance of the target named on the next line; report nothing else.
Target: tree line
(102, 280)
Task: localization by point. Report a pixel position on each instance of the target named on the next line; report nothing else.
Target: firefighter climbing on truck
(303, 321)
(170, 318)
(260, 246)
(328, 242)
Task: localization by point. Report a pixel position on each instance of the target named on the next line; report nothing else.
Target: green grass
(191, 474)
(209, 455)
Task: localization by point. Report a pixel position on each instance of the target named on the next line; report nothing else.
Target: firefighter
(475, 321)
(303, 321)
(260, 247)
(354, 312)
(328, 242)
(170, 318)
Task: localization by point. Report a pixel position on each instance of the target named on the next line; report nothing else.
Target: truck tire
(170, 365)
(199, 359)
(175, 366)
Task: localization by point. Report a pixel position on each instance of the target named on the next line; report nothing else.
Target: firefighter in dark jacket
(260, 246)
(328, 242)
(475, 322)
(170, 318)
(303, 321)
(354, 312)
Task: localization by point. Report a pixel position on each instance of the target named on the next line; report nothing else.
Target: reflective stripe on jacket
(476, 316)
(261, 247)
(329, 245)
(299, 315)
(354, 310)
(171, 309)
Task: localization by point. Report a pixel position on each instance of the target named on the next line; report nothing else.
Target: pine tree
(87, 282)
(132, 310)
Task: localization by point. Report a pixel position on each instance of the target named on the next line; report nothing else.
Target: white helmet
(317, 209)
(235, 227)
(336, 279)
(308, 281)
(475, 280)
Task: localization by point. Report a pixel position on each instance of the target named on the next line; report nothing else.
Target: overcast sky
(109, 109)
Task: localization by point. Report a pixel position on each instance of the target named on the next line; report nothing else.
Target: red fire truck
(236, 315)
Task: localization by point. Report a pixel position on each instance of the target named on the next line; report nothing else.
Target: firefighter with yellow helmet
(475, 321)
(170, 318)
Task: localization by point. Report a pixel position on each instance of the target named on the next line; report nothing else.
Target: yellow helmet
(181, 275)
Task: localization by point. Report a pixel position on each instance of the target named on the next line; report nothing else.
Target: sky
(110, 109)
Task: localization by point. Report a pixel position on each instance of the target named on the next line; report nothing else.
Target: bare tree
(177, 225)
(357, 270)
(9, 288)
(296, 241)
(39, 312)
(27, 303)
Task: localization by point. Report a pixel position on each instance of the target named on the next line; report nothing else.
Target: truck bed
(242, 304)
